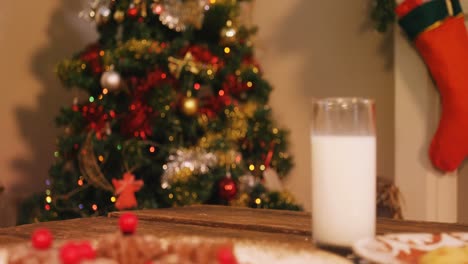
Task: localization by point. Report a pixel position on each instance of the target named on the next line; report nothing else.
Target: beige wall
(319, 49)
(308, 48)
(32, 40)
(463, 195)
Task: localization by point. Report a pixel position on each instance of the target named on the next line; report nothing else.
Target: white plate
(395, 248)
(255, 253)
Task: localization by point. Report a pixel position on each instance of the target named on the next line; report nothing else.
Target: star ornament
(125, 191)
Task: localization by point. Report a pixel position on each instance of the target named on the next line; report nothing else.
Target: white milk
(343, 188)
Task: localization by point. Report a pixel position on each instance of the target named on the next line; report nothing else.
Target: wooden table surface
(211, 221)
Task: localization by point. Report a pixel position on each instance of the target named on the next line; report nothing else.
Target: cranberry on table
(70, 254)
(226, 256)
(86, 251)
(42, 238)
(128, 223)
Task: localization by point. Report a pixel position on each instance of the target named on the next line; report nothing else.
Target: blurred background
(307, 49)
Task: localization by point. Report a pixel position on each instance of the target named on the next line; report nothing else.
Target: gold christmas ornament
(119, 16)
(190, 106)
(179, 14)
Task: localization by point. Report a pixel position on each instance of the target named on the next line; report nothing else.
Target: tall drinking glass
(343, 171)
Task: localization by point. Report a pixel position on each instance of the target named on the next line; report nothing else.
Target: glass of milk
(343, 171)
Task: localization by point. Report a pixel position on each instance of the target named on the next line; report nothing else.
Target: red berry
(86, 251)
(41, 238)
(226, 256)
(70, 254)
(128, 223)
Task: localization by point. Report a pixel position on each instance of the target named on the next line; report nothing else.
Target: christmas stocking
(438, 31)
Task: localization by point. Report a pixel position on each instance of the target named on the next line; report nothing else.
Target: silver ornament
(229, 33)
(197, 160)
(178, 14)
(247, 182)
(99, 11)
(111, 80)
(103, 14)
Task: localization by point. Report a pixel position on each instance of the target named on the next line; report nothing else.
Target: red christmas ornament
(128, 223)
(41, 238)
(226, 255)
(125, 190)
(227, 189)
(132, 12)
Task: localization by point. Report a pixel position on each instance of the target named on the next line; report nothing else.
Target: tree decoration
(111, 80)
(247, 182)
(188, 63)
(229, 34)
(97, 119)
(90, 168)
(195, 160)
(190, 106)
(182, 109)
(125, 191)
(119, 16)
(91, 57)
(227, 188)
(132, 11)
(137, 122)
(99, 11)
(179, 14)
(438, 32)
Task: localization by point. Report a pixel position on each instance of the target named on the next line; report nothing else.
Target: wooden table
(211, 221)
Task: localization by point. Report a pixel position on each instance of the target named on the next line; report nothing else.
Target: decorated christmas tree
(176, 114)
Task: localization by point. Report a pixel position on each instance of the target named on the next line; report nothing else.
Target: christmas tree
(176, 114)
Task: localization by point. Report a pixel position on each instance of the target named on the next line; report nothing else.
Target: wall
(321, 49)
(308, 48)
(463, 195)
(32, 40)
